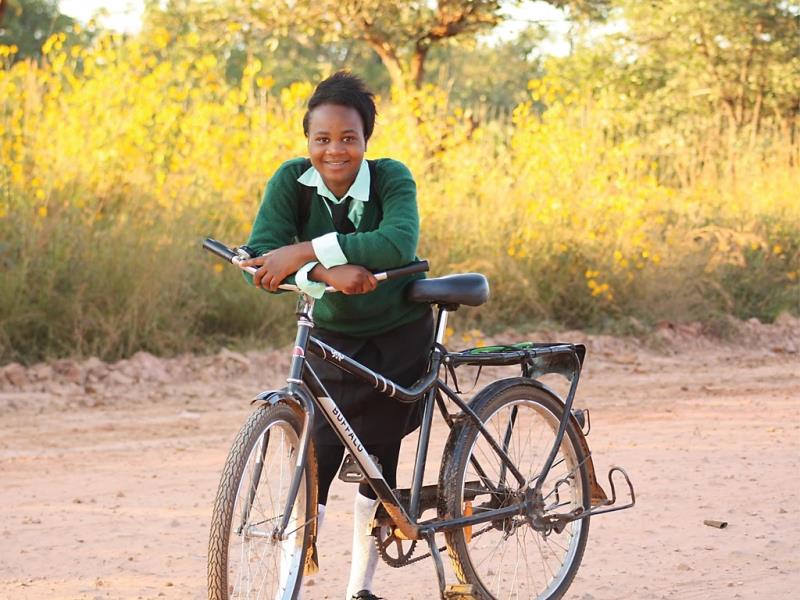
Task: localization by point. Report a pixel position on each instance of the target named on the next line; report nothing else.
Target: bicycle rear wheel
(511, 558)
(244, 558)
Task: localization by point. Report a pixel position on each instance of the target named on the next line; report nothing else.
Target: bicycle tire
(478, 553)
(260, 566)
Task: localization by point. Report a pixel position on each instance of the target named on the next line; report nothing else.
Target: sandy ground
(109, 472)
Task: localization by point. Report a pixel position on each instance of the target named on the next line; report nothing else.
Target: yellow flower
(42, 212)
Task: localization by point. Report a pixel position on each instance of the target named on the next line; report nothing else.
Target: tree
(743, 54)
(28, 23)
(402, 33)
(741, 57)
(491, 77)
(708, 84)
(287, 55)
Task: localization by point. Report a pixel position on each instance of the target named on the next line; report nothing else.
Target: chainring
(394, 551)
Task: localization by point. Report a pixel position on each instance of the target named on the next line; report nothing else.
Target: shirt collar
(358, 191)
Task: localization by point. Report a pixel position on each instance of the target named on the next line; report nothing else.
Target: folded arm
(345, 258)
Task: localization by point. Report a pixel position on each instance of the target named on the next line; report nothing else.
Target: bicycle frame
(402, 508)
(305, 387)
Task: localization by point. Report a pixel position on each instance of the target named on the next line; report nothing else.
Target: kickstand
(457, 591)
(430, 537)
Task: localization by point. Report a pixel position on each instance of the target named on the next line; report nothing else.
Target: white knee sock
(320, 517)
(365, 554)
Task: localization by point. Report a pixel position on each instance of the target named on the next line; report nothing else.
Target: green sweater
(380, 242)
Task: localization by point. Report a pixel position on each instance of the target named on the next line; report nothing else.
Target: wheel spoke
(507, 558)
(252, 562)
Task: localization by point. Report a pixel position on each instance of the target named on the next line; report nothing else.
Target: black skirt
(400, 355)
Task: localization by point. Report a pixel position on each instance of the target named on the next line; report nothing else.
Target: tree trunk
(417, 74)
(755, 126)
(389, 59)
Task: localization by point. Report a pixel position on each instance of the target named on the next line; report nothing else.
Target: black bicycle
(516, 487)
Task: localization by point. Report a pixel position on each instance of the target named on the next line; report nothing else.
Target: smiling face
(336, 145)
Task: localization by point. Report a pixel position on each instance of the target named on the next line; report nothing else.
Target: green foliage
(26, 24)
(761, 282)
(741, 56)
(400, 33)
(706, 83)
(492, 76)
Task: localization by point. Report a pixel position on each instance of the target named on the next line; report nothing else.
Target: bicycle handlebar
(235, 258)
(219, 249)
(420, 266)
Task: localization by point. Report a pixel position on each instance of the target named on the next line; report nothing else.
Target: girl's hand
(349, 279)
(278, 264)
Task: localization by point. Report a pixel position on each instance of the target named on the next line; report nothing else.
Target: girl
(331, 220)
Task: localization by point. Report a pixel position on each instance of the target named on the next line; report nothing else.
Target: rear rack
(536, 359)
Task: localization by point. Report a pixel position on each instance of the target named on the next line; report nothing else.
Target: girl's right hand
(276, 265)
(348, 279)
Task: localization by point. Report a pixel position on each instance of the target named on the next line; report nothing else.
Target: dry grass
(116, 162)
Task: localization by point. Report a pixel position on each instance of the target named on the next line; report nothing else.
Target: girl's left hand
(348, 279)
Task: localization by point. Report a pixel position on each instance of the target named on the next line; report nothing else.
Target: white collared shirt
(326, 247)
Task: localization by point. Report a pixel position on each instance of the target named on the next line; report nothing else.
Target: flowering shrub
(116, 160)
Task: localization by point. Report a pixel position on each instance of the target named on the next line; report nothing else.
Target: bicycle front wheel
(245, 558)
(515, 557)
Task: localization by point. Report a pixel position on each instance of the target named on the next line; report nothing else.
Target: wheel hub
(253, 531)
(534, 513)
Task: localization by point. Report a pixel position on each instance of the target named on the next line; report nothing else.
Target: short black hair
(344, 89)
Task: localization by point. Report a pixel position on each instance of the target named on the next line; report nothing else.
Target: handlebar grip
(415, 267)
(219, 249)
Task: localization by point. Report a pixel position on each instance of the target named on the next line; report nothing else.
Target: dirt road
(109, 472)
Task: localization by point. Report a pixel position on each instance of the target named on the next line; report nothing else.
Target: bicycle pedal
(351, 472)
(460, 591)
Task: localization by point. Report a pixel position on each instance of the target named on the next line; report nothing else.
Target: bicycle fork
(305, 308)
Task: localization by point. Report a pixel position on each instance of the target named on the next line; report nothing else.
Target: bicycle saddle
(471, 289)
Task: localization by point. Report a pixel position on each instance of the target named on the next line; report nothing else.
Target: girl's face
(336, 145)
